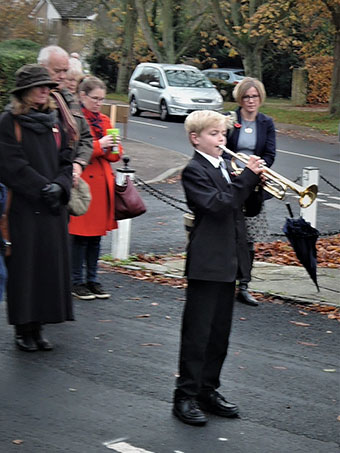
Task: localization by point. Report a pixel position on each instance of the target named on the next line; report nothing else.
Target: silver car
(171, 89)
(233, 76)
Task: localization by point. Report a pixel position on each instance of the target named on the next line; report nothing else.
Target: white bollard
(120, 240)
(310, 175)
(121, 237)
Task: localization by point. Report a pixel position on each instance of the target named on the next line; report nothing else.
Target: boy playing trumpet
(217, 246)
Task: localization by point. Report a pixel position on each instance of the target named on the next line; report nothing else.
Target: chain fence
(175, 202)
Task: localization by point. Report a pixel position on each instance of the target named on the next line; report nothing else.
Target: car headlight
(219, 98)
(179, 99)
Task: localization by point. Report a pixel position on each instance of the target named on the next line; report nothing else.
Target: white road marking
(334, 198)
(332, 205)
(148, 124)
(123, 447)
(308, 157)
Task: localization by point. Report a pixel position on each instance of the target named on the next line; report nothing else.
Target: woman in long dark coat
(36, 166)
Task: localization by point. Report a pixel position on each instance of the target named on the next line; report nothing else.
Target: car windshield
(187, 78)
(239, 74)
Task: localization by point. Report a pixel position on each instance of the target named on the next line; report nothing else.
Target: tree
(334, 105)
(249, 25)
(15, 22)
(126, 57)
(169, 26)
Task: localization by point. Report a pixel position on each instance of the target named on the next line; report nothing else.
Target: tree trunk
(252, 61)
(334, 103)
(147, 32)
(168, 31)
(127, 47)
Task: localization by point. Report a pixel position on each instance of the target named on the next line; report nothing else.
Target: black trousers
(205, 334)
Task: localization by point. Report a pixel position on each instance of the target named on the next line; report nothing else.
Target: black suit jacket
(217, 244)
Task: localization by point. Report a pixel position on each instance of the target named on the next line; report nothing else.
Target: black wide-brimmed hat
(32, 75)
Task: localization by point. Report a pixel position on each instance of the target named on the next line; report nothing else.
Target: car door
(149, 89)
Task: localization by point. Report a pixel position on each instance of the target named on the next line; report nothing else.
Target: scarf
(39, 122)
(95, 122)
(68, 121)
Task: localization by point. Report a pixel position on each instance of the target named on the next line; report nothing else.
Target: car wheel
(134, 110)
(164, 114)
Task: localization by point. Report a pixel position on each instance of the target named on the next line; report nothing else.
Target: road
(112, 374)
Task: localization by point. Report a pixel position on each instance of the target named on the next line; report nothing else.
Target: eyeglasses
(96, 99)
(247, 98)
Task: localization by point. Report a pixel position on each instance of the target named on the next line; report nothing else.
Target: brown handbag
(128, 202)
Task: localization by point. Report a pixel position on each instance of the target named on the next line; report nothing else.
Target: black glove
(51, 194)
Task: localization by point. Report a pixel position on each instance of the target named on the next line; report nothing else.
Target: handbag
(80, 198)
(253, 204)
(128, 202)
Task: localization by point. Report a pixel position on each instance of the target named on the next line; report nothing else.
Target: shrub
(225, 89)
(14, 53)
(319, 79)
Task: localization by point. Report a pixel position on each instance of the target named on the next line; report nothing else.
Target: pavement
(292, 283)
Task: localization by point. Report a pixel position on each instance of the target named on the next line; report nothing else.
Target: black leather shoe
(186, 408)
(42, 343)
(245, 298)
(216, 404)
(25, 343)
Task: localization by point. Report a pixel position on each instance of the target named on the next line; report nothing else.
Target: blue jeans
(85, 249)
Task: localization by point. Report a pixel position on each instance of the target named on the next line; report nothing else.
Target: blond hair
(21, 103)
(242, 87)
(201, 119)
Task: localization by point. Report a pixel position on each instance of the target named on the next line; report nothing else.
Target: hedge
(14, 53)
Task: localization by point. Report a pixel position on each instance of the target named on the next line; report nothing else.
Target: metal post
(310, 175)
(120, 239)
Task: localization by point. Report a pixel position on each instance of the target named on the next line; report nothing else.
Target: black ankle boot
(244, 297)
(23, 338)
(41, 342)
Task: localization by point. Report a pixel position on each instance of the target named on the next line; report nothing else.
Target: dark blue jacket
(265, 140)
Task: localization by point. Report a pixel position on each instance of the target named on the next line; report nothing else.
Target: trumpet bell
(308, 196)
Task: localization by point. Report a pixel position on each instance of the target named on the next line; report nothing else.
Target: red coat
(100, 176)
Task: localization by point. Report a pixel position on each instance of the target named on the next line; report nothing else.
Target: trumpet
(276, 184)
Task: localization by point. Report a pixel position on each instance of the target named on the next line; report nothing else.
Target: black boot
(244, 296)
(24, 339)
(42, 343)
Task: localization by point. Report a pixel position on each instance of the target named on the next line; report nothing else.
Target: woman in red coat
(86, 230)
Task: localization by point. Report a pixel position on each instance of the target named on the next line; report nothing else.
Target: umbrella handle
(289, 210)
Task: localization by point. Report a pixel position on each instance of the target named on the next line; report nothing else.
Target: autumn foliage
(319, 78)
(280, 252)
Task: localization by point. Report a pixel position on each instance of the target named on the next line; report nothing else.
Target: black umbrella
(303, 237)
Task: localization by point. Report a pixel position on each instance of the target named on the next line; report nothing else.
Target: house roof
(71, 9)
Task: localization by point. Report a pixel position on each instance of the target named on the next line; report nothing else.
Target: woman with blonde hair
(253, 133)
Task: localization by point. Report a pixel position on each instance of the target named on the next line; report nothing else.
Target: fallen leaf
(151, 344)
(143, 316)
(280, 367)
(329, 370)
(307, 344)
(72, 389)
(303, 313)
(338, 418)
(302, 324)
(17, 441)
(154, 304)
(105, 320)
(243, 319)
(168, 317)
